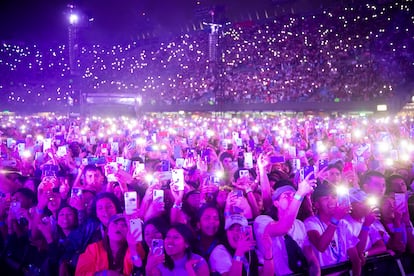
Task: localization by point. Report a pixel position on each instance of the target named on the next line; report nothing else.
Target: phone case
(130, 202)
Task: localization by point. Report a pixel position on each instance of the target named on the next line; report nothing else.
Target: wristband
(105, 272)
(249, 190)
(334, 221)
(398, 230)
(178, 206)
(270, 259)
(227, 214)
(2, 223)
(238, 258)
(135, 258)
(298, 197)
(40, 211)
(365, 228)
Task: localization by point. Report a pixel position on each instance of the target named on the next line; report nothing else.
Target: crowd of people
(346, 54)
(177, 194)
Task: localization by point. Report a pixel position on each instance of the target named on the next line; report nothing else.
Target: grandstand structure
(351, 58)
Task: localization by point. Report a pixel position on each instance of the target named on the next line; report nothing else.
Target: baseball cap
(321, 190)
(357, 195)
(286, 188)
(116, 217)
(235, 219)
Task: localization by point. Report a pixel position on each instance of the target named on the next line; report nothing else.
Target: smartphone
(342, 193)
(177, 152)
(76, 192)
(239, 194)
(322, 164)
(400, 202)
(135, 224)
(131, 202)
(215, 180)
(179, 163)
(248, 231)
(296, 164)
(178, 179)
(137, 168)
(165, 165)
(15, 207)
(306, 171)
(157, 247)
(110, 170)
(158, 195)
(248, 160)
(277, 159)
(243, 173)
(61, 151)
(96, 160)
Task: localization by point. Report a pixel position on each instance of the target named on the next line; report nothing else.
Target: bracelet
(298, 197)
(135, 258)
(334, 221)
(249, 190)
(270, 259)
(227, 214)
(238, 258)
(40, 211)
(178, 206)
(398, 230)
(365, 228)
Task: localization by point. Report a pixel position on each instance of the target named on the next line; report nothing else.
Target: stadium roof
(47, 21)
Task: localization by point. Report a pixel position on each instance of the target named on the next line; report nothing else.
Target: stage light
(73, 18)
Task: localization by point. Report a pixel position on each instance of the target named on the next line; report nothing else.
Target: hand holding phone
(157, 247)
(131, 203)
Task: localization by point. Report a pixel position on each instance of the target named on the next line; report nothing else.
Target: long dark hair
(160, 224)
(60, 234)
(218, 237)
(109, 196)
(115, 262)
(189, 238)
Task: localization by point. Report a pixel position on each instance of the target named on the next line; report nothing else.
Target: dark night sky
(44, 20)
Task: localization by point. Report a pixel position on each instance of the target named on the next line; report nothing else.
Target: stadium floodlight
(73, 18)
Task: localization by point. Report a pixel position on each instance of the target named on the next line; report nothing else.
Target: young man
(286, 202)
(329, 235)
(361, 223)
(373, 183)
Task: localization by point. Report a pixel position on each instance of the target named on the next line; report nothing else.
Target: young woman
(209, 232)
(56, 236)
(179, 258)
(103, 208)
(236, 256)
(114, 255)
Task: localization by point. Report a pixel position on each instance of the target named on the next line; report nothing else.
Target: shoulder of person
(263, 219)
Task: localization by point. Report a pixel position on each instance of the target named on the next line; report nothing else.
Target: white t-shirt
(355, 228)
(220, 260)
(341, 242)
(280, 256)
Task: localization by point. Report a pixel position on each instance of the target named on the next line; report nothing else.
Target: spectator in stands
(329, 235)
(236, 256)
(179, 257)
(115, 254)
(373, 183)
(284, 231)
(361, 223)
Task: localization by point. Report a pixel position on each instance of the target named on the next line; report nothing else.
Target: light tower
(215, 60)
(73, 39)
(74, 20)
